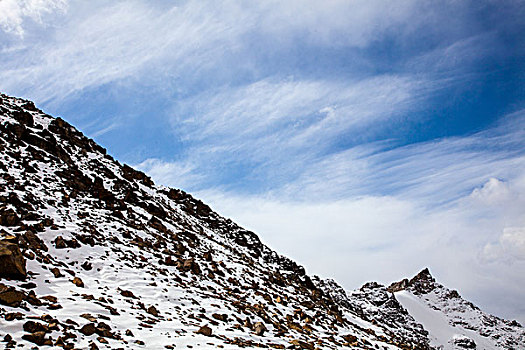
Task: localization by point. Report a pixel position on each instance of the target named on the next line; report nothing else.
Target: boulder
(88, 329)
(350, 338)
(205, 330)
(259, 328)
(8, 217)
(60, 243)
(33, 327)
(55, 271)
(302, 344)
(78, 282)
(39, 338)
(10, 296)
(12, 262)
(152, 310)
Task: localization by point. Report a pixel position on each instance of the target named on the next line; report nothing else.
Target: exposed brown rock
(302, 344)
(78, 282)
(11, 316)
(205, 330)
(350, 338)
(60, 243)
(10, 296)
(153, 311)
(32, 327)
(12, 262)
(8, 217)
(55, 271)
(259, 328)
(38, 338)
(127, 294)
(220, 317)
(88, 329)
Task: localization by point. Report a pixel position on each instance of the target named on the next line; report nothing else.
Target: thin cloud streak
(13, 13)
(101, 44)
(294, 112)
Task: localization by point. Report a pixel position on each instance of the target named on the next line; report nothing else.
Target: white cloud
(14, 12)
(107, 42)
(510, 246)
(493, 191)
(183, 174)
(293, 113)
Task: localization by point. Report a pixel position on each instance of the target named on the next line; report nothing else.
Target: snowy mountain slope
(114, 261)
(94, 255)
(453, 322)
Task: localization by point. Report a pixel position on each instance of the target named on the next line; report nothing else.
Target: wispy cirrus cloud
(439, 170)
(13, 13)
(362, 128)
(198, 42)
(295, 113)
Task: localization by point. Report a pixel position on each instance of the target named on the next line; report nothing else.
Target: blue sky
(365, 139)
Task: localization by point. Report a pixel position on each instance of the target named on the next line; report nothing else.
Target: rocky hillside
(94, 255)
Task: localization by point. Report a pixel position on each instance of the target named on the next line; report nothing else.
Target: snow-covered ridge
(112, 260)
(453, 322)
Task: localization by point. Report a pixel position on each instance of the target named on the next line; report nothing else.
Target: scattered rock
(464, 342)
(302, 344)
(127, 294)
(60, 243)
(33, 327)
(102, 340)
(89, 317)
(350, 338)
(8, 217)
(205, 330)
(55, 271)
(153, 311)
(220, 317)
(29, 285)
(88, 329)
(12, 262)
(38, 338)
(10, 296)
(78, 282)
(259, 328)
(11, 316)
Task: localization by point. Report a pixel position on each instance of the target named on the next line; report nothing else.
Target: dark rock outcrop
(12, 262)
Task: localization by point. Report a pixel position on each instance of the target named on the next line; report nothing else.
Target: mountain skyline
(364, 139)
(94, 253)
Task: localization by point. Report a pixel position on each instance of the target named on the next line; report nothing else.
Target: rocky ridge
(470, 323)
(94, 255)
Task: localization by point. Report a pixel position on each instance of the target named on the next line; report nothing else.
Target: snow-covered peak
(452, 321)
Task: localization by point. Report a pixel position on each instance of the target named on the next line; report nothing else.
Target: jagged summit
(94, 255)
(423, 282)
(453, 322)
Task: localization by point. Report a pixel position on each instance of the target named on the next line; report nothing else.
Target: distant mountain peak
(421, 283)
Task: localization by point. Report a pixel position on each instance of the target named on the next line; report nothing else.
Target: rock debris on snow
(94, 255)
